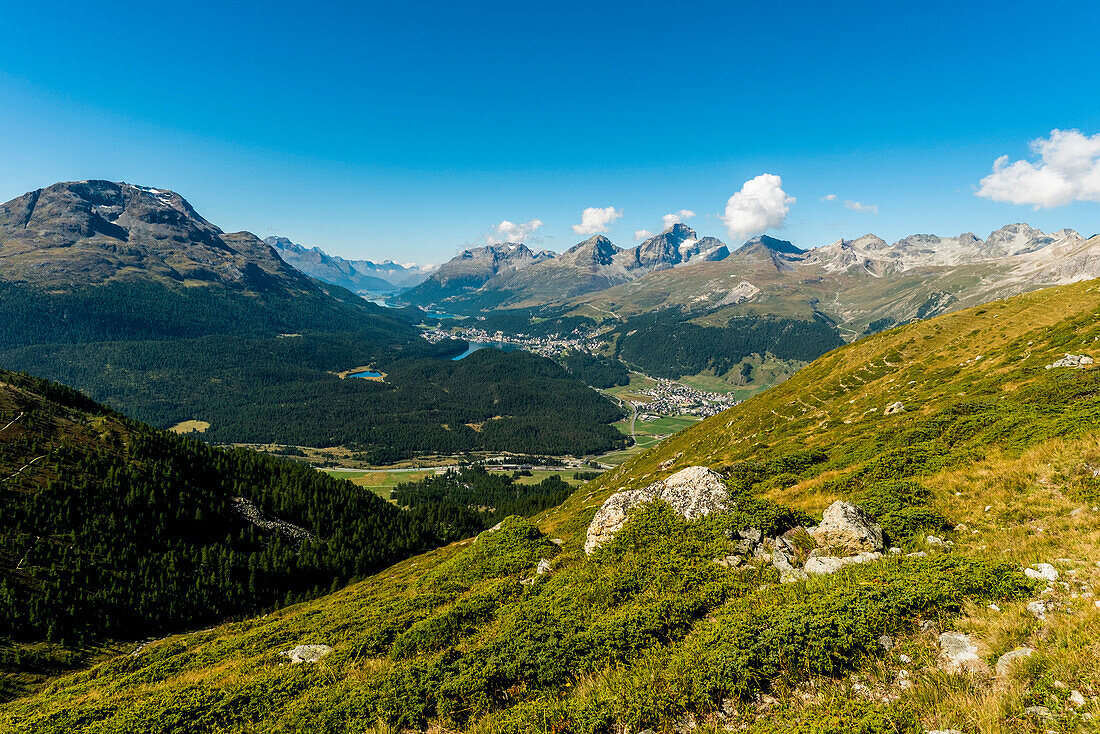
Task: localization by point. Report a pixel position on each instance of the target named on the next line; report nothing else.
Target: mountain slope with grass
(988, 467)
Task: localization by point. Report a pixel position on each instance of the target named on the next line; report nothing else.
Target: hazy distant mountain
(490, 277)
(361, 276)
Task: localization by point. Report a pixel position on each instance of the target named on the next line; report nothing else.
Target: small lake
(475, 346)
(368, 374)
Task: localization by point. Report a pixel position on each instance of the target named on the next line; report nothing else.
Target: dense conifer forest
(109, 528)
(262, 368)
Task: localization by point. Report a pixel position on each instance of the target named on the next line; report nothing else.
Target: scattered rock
(994, 608)
(543, 567)
(1076, 361)
(1039, 712)
(932, 540)
(886, 643)
(729, 561)
(693, 492)
(788, 574)
(918, 554)
(751, 534)
(894, 408)
(1043, 571)
(744, 546)
(846, 526)
(959, 654)
(307, 653)
(1076, 700)
(905, 659)
(1009, 659)
(557, 541)
(927, 625)
(824, 565)
(895, 551)
(1037, 609)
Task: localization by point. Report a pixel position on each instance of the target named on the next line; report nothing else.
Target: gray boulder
(1009, 659)
(788, 574)
(894, 408)
(824, 565)
(1043, 571)
(959, 654)
(307, 653)
(847, 527)
(692, 492)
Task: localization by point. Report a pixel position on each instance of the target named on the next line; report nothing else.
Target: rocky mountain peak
(88, 232)
(596, 250)
(773, 245)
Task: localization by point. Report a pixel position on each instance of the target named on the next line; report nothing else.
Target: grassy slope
(648, 632)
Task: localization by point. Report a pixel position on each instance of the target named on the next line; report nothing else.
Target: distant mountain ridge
(861, 284)
(512, 274)
(360, 276)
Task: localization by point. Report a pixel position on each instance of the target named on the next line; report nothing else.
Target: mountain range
(358, 276)
(862, 284)
(513, 275)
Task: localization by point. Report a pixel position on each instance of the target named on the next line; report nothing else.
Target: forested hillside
(111, 529)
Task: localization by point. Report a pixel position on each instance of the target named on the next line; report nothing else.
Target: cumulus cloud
(1067, 170)
(829, 197)
(512, 232)
(760, 205)
(642, 234)
(859, 206)
(676, 218)
(595, 219)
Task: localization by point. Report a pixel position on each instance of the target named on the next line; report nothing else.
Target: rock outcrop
(1077, 361)
(847, 528)
(693, 492)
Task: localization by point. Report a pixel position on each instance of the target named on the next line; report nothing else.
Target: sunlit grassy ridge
(992, 450)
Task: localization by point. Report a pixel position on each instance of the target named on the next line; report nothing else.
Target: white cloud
(829, 197)
(760, 205)
(512, 232)
(642, 234)
(676, 218)
(594, 219)
(1068, 170)
(859, 206)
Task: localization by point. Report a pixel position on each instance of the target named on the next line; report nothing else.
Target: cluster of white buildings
(676, 398)
(547, 346)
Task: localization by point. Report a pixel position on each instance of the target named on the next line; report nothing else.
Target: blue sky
(408, 130)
